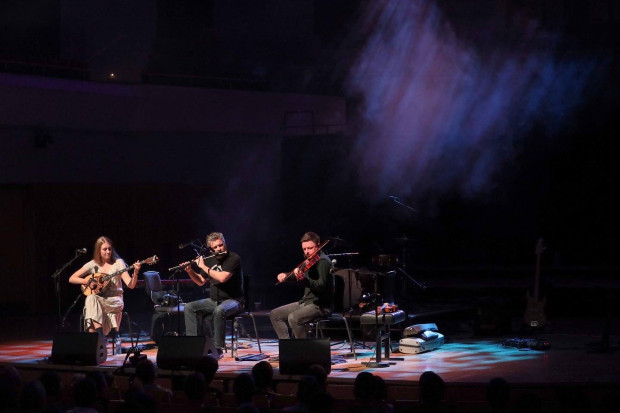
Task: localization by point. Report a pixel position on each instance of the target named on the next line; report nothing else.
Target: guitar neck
(148, 261)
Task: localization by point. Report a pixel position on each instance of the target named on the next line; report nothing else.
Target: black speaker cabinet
(86, 349)
(183, 352)
(297, 355)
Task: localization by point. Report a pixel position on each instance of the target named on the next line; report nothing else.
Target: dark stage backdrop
(153, 192)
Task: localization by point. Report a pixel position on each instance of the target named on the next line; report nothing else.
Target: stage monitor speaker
(184, 352)
(297, 355)
(86, 349)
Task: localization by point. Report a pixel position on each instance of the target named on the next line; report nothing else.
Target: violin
(305, 265)
(387, 308)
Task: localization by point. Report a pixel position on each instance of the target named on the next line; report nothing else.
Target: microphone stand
(62, 323)
(137, 357)
(178, 292)
(177, 270)
(56, 278)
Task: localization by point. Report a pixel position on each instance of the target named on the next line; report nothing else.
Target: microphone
(187, 244)
(81, 250)
(333, 267)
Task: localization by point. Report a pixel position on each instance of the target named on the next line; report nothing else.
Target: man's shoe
(220, 353)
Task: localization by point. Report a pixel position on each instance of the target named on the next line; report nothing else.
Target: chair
(337, 316)
(164, 304)
(242, 314)
(113, 334)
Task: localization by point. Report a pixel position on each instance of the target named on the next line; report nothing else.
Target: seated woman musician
(104, 304)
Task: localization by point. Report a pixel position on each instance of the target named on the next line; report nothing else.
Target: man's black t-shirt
(233, 287)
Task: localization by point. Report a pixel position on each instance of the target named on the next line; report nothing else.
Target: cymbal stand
(413, 280)
(407, 277)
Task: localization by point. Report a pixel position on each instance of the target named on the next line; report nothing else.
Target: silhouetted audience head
(10, 382)
(244, 388)
(137, 396)
(52, 382)
(247, 408)
(321, 402)
(195, 387)
(307, 388)
(610, 402)
(528, 403)
(32, 396)
(319, 373)
(129, 407)
(431, 387)
(364, 386)
(145, 371)
(262, 372)
(100, 381)
(573, 399)
(498, 394)
(208, 366)
(380, 392)
(84, 393)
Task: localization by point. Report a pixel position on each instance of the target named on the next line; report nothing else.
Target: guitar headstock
(540, 246)
(152, 260)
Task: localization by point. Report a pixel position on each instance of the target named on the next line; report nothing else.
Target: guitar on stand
(534, 316)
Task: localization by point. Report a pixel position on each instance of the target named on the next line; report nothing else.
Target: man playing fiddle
(318, 297)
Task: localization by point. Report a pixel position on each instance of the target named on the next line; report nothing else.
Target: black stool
(382, 320)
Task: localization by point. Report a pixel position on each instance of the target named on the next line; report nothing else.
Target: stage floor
(464, 358)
